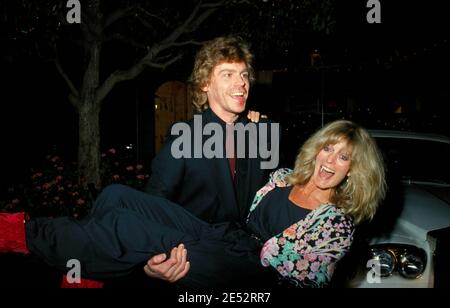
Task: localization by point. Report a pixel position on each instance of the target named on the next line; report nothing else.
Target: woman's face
(332, 165)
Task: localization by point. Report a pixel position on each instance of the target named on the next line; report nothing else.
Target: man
(216, 189)
(213, 189)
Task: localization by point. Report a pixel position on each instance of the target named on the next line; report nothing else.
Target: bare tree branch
(62, 18)
(196, 23)
(164, 65)
(153, 16)
(129, 74)
(190, 42)
(66, 78)
(126, 40)
(162, 58)
(75, 101)
(117, 77)
(191, 23)
(120, 14)
(212, 5)
(145, 23)
(169, 40)
(91, 24)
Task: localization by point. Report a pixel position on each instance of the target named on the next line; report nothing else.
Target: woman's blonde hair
(360, 193)
(213, 53)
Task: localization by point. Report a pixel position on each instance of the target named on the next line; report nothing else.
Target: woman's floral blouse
(306, 253)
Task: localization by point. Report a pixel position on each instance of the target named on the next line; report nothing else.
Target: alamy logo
(374, 14)
(190, 144)
(74, 14)
(374, 273)
(74, 274)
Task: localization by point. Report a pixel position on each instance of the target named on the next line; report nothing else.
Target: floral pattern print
(305, 254)
(276, 179)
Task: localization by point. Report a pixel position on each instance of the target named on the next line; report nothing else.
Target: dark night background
(368, 71)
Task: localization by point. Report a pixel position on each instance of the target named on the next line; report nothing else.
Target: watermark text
(374, 14)
(252, 141)
(74, 14)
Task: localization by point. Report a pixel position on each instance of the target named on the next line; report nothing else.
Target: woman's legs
(213, 266)
(125, 228)
(151, 207)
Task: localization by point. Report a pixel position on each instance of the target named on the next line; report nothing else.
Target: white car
(408, 243)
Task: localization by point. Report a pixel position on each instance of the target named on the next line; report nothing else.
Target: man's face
(228, 89)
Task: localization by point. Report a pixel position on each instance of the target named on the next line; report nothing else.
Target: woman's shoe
(82, 284)
(12, 233)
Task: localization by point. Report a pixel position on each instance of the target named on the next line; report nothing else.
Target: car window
(417, 160)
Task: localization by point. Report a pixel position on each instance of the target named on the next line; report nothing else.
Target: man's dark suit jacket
(205, 186)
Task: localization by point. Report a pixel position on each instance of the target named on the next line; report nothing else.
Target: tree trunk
(88, 100)
(89, 145)
(89, 126)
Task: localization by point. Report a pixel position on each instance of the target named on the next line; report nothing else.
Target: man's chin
(239, 109)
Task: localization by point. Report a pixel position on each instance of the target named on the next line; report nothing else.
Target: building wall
(172, 104)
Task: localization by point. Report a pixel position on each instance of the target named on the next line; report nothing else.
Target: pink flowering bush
(53, 190)
(121, 167)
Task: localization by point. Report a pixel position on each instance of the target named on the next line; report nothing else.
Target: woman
(300, 224)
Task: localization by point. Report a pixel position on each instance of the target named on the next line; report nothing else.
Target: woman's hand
(171, 269)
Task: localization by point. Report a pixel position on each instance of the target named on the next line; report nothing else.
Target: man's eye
(245, 75)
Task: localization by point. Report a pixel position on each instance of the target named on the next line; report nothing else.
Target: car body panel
(423, 211)
(424, 208)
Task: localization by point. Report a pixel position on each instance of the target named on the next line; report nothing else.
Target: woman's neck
(309, 196)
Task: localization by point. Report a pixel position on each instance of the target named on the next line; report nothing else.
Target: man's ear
(205, 88)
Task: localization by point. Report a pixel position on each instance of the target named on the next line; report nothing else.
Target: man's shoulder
(189, 121)
(245, 120)
(184, 124)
